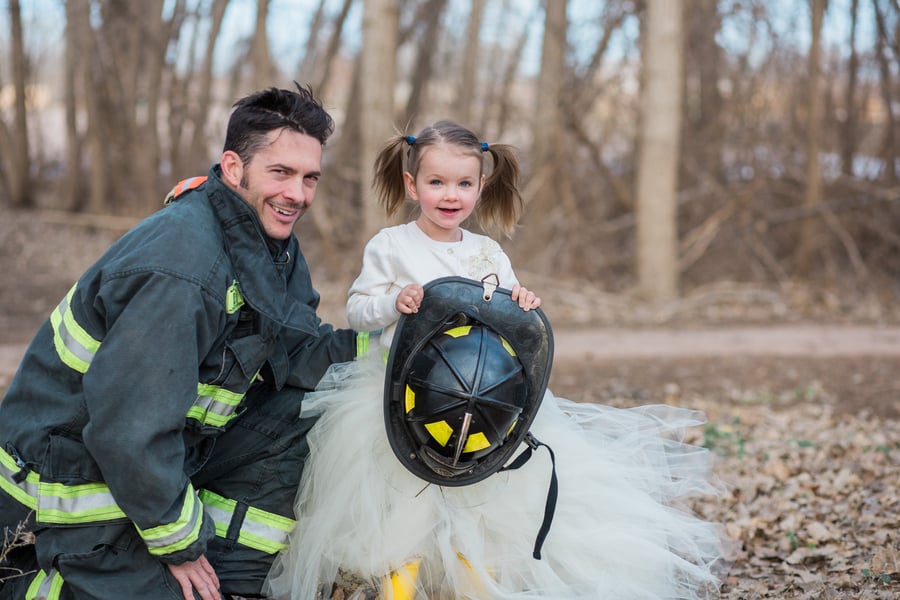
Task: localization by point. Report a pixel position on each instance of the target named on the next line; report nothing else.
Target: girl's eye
(434, 182)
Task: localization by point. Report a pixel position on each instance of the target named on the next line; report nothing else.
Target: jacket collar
(262, 265)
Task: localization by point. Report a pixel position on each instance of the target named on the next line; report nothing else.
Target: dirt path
(787, 340)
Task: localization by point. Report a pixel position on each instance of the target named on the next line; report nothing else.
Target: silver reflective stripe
(260, 529)
(62, 504)
(165, 539)
(25, 491)
(265, 531)
(45, 586)
(214, 405)
(74, 345)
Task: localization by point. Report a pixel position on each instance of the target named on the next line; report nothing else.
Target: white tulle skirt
(621, 529)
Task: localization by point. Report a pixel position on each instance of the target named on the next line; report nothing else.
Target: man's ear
(410, 182)
(232, 168)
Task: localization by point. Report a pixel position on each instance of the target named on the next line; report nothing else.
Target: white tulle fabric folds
(620, 531)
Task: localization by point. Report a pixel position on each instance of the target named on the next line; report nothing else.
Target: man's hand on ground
(197, 575)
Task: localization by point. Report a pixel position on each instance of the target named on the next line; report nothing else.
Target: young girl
(618, 531)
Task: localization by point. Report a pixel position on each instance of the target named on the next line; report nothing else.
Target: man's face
(280, 181)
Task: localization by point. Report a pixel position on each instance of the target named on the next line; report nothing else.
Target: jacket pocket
(69, 462)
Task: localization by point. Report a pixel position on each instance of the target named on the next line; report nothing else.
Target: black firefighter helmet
(464, 381)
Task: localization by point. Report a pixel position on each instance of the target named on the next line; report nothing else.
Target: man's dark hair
(257, 114)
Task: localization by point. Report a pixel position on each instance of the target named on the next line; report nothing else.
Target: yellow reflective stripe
(24, 491)
(179, 534)
(475, 442)
(265, 531)
(459, 331)
(261, 530)
(63, 504)
(74, 345)
(362, 343)
(409, 399)
(440, 431)
(214, 405)
(45, 586)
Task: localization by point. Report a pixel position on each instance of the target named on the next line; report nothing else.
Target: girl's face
(447, 186)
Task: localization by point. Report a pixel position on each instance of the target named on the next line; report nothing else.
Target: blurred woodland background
(666, 145)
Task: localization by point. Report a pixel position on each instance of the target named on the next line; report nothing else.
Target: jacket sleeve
(372, 299)
(311, 359)
(140, 384)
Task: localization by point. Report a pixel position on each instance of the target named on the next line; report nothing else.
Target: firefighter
(150, 438)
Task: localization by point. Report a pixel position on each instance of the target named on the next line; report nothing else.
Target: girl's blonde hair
(500, 206)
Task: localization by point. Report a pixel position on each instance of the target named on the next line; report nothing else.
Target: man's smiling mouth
(283, 211)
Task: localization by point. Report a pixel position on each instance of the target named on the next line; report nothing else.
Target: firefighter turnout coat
(148, 358)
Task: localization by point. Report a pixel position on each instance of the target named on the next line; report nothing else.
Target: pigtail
(388, 175)
(501, 204)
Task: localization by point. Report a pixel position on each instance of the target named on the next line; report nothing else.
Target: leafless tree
(377, 79)
(471, 50)
(813, 194)
(657, 235)
(16, 143)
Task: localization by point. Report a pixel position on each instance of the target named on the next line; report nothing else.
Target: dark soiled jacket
(121, 393)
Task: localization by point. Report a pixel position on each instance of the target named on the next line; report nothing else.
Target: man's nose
(300, 193)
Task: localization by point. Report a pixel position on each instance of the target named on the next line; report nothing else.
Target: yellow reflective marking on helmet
(511, 427)
(475, 442)
(459, 331)
(410, 399)
(507, 346)
(440, 431)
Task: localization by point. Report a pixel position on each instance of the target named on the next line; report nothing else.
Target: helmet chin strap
(552, 493)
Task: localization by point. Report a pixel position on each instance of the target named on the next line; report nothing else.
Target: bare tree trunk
(198, 154)
(306, 69)
(849, 124)
(471, 50)
(19, 154)
(71, 196)
(501, 95)
(425, 58)
(95, 134)
(812, 198)
(334, 44)
(657, 176)
(264, 73)
(702, 138)
(377, 76)
(884, 68)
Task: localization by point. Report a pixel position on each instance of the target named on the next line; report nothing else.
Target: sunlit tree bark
(812, 197)
(471, 49)
(548, 193)
(657, 169)
(376, 79)
(848, 134)
(19, 152)
(263, 72)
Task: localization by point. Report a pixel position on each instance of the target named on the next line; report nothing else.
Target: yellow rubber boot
(401, 583)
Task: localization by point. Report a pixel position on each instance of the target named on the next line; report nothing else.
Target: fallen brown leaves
(813, 498)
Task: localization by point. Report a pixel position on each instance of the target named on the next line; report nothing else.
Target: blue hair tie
(410, 139)
(484, 146)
